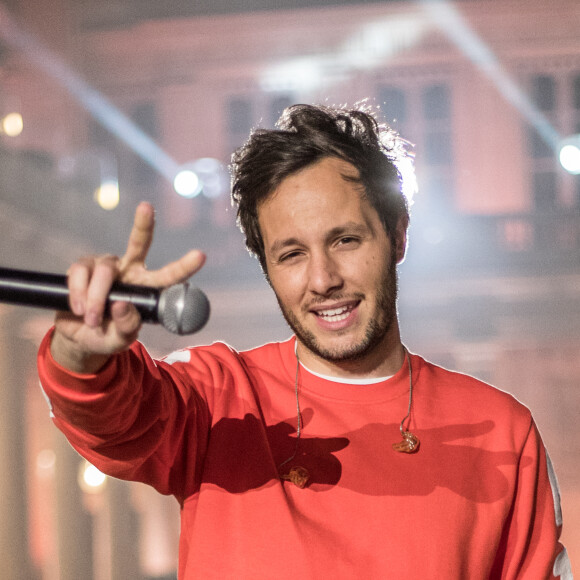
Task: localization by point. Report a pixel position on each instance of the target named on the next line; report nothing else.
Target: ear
(400, 238)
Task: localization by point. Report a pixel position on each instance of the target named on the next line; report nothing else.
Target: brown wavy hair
(305, 134)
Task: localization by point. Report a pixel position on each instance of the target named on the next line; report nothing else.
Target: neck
(385, 359)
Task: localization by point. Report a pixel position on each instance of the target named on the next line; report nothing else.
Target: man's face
(332, 267)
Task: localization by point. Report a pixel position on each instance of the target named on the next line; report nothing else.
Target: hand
(84, 338)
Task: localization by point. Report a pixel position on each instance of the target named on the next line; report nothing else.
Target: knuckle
(107, 260)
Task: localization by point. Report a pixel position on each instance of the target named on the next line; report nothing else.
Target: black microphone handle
(42, 290)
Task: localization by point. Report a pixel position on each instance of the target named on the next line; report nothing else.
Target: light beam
(478, 52)
(89, 98)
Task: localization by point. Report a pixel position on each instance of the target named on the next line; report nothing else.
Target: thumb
(126, 319)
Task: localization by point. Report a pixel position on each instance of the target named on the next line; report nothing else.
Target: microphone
(181, 309)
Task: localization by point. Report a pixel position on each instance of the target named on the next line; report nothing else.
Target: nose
(323, 274)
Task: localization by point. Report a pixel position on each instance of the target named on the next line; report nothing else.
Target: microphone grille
(183, 309)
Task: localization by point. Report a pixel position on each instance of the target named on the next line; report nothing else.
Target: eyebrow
(347, 228)
(279, 245)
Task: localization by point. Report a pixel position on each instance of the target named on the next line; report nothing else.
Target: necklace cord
(408, 415)
(298, 416)
(410, 443)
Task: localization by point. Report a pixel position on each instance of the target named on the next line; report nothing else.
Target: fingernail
(92, 319)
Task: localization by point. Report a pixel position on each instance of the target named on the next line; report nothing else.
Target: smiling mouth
(336, 314)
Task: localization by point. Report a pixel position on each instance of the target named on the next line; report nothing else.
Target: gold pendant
(409, 444)
(299, 476)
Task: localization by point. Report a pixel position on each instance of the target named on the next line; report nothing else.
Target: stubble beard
(376, 330)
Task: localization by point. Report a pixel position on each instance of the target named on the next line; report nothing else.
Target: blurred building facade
(491, 284)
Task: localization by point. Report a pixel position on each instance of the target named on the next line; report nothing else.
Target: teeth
(334, 311)
(335, 314)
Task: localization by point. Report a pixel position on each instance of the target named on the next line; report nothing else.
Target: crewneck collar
(363, 391)
(366, 381)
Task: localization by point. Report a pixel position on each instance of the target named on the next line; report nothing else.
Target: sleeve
(136, 419)
(530, 546)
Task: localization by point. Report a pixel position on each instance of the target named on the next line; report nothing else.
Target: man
(335, 454)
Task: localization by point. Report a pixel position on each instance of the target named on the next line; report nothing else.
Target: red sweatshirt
(213, 427)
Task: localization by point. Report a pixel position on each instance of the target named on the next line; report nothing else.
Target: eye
(289, 256)
(348, 240)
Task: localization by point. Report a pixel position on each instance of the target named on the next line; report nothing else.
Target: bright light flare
(570, 155)
(301, 74)
(12, 124)
(187, 183)
(377, 42)
(213, 176)
(91, 480)
(409, 185)
(206, 175)
(46, 463)
(369, 47)
(107, 195)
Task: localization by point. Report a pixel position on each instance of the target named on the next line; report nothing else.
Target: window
(254, 109)
(277, 106)
(556, 95)
(576, 192)
(544, 92)
(545, 189)
(393, 102)
(239, 116)
(576, 92)
(438, 136)
(142, 175)
(421, 110)
(436, 103)
(538, 147)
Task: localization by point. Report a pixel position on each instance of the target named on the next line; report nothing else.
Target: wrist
(69, 355)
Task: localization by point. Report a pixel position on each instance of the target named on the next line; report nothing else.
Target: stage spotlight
(570, 154)
(107, 195)
(12, 124)
(206, 175)
(186, 183)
